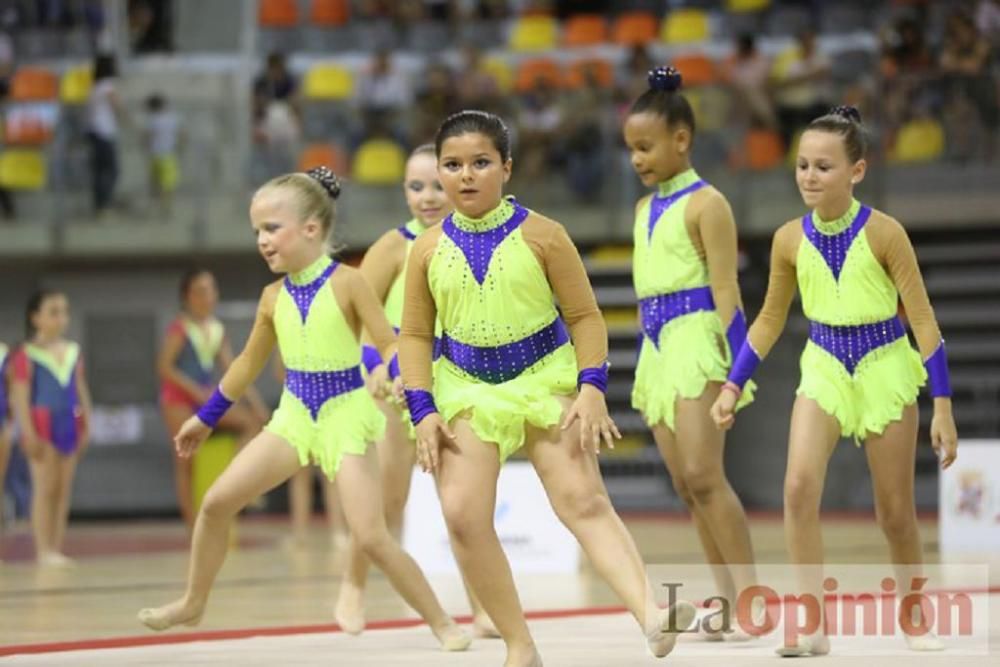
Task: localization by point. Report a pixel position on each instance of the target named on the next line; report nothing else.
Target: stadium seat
(22, 170)
(379, 162)
(634, 28)
(585, 30)
(684, 26)
(330, 13)
(920, 140)
(534, 33)
(278, 13)
(501, 72)
(602, 68)
(696, 69)
(323, 155)
(743, 6)
(75, 85)
(761, 150)
(32, 84)
(328, 82)
(529, 71)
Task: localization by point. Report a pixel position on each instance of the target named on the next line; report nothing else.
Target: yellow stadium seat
(23, 170)
(379, 162)
(534, 33)
(501, 72)
(208, 463)
(75, 85)
(684, 26)
(328, 82)
(920, 140)
(746, 6)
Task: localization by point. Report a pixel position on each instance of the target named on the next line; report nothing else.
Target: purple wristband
(597, 377)
(745, 364)
(420, 402)
(212, 411)
(370, 358)
(736, 333)
(937, 371)
(394, 367)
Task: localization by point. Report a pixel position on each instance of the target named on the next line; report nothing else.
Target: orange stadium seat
(601, 68)
(697, 69)
(278, 13)
(633, 28)
(323, 155)
(530, 71)
(34, 83)
(330, 13)
(585, 30)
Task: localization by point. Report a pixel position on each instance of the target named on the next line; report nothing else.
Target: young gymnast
(860, 375)
(691, 314)
(384, 267)
(514, 372)
(315, 315)
(195, 346)
(51, 402)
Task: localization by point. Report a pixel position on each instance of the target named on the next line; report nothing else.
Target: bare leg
(358, 477)
(466, 480)
(173, 417)
(265, 462)
(67, 471)
(811, 439)
(891, 459)
(396, 456)
(4, 459)
(300, 502)
(44, 501)
(572, 480)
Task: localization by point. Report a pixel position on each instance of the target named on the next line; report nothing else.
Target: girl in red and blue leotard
(194, 347)
(51, 402)
(4, 420)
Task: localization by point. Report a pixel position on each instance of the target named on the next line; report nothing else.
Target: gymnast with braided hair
(326, 416)
(860, 375)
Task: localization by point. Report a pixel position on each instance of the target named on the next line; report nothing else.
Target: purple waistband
(657, 311)
(850, 344)
(315, 388)
(505, 362)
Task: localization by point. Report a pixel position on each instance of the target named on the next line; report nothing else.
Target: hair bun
(848, 112)
(667, 79)
(325, 177)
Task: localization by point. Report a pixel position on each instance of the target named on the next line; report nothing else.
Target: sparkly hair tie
(667, 79)
(325, 177)
(844, 111)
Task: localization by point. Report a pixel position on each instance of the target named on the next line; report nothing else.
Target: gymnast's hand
(595, 422)
(432, 434)
(193, 432)
(378, 381)
(722, 411)
(944, 435)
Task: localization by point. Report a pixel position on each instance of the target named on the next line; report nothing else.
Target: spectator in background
(539, 119)
(276, 116)
(800, 78)
(746, 71)
(477, 87)
(149, 25)
(965, 62)
(383, 92)
(632, 78)
(583, 135)
(436, 100)
(104, 109)
(163, 133)
(905, 65)
(988, 21)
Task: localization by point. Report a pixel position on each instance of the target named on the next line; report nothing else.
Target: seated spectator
(800, 79)
(276, 117)
(436, 100)
(383, 92)
(476, 86)
(965, 61)
(583, 136)
(539, 119)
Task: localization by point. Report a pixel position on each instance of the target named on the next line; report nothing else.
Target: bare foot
(483, 628)
(527, 658)
(452, 637)
(350, 609)
(672, 621)
(55, 559)
(180, 612)
(817, 644)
